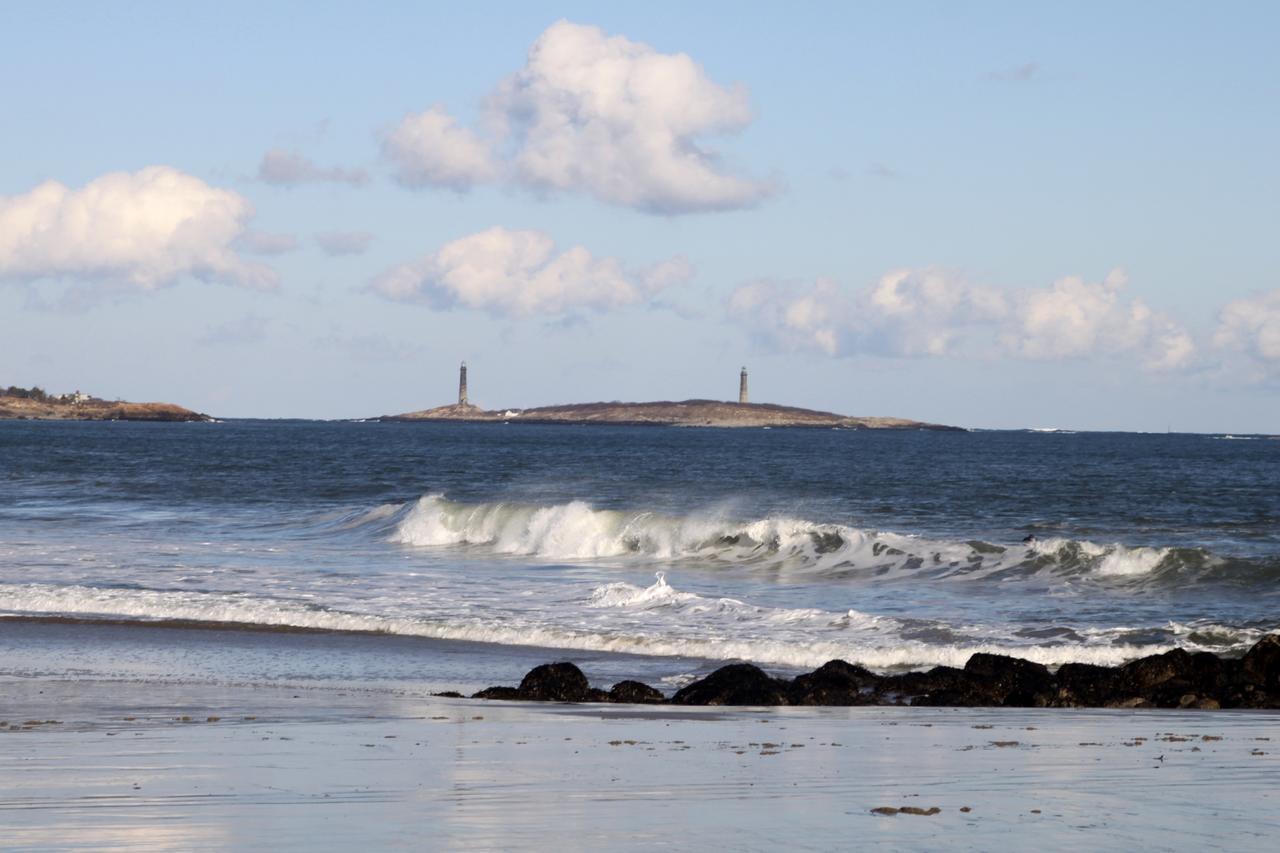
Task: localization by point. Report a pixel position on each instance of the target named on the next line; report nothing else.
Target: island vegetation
(37, 404)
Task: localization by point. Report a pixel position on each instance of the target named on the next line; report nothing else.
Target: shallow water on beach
(672, 549)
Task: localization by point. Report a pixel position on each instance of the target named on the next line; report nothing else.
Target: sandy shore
(173, 766)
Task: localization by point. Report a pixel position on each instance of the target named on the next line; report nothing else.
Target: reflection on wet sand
(139, 767)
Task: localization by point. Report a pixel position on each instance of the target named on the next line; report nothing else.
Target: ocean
(423, 556)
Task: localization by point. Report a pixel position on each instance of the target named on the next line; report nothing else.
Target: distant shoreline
(685, 413)
(25, 409)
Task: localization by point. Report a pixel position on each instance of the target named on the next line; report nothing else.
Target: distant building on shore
(462, 385)
(742, 386)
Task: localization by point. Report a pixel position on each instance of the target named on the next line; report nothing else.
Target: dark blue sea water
(783, 547)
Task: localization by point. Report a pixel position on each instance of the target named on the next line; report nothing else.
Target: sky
(995, 215)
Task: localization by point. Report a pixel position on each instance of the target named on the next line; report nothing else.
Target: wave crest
(783, 545)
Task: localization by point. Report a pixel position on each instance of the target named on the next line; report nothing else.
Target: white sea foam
(1104, 560)
(658, 620)
(1131, 561)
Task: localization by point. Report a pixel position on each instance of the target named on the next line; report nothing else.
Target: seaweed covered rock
(1084, 685)
(635, 693)
(1173, 679)
(1261, 665)
(735, 684)
(1010, 681)
(555, 682)
(918, 687)
(836, 682)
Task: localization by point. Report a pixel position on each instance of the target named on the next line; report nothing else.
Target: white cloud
(664, 274)
(906, 312)
(430, 150)
(334, 243)
(1252, 326)
(597, 114)
(520, 273)
(145, 229)
(1074, 318)
(928, 312)
(290, 168)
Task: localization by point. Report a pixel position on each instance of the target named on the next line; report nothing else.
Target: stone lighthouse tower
(742, 386)
(462, 385)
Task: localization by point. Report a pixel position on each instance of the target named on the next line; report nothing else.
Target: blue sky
(995, 215)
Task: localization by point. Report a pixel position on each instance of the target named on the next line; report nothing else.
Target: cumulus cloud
(929, 312)
(591, 113)
(430, 149)
(519, 273)
(906, 312)
(266, 243)
(145, 229)
(334, 243)
(1074, 318)
(1252, 326)
(286, 168)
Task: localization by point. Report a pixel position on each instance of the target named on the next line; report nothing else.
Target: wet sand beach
(133, 765)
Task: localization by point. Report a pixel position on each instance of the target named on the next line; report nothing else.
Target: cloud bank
(928, 312)
(590, 113)
(521, 273)
(144, 229)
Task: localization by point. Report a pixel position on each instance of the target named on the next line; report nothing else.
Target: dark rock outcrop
(1174, 679)
(1261, 664)
(899, 689)
(1084, 685)
(555, 682)
(1009, 681)
(735, 684)
(635, 693)
(834, 683)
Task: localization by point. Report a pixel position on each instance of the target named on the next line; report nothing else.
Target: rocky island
(689, 413)
(686, 413)
(35, 404)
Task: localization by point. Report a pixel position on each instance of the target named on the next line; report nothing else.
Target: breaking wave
(577, 531)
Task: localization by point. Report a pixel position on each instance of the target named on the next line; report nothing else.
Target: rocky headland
(688, 413)
(1175, 679)
(53, 409)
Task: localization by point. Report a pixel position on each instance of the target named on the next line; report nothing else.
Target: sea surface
(437, 554)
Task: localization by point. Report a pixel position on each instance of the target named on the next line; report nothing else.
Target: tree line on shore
(39, 395)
